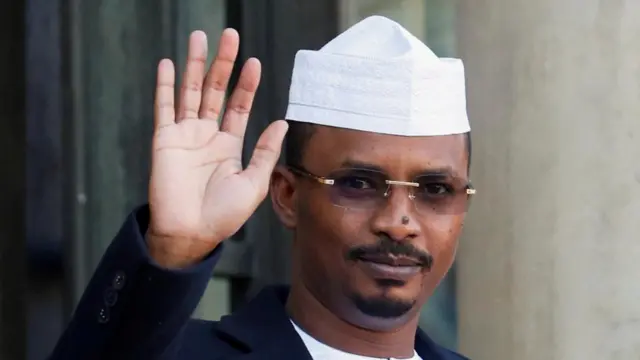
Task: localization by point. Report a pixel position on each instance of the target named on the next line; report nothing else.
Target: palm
(198, 189)
(194, 163)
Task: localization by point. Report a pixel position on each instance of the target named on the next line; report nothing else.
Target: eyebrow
(442, 171)
(351, 163)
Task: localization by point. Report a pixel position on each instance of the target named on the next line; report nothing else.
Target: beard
(382, 306)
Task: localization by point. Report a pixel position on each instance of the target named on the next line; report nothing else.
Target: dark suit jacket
(134, 309)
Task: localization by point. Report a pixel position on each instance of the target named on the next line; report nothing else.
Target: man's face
(352, 249)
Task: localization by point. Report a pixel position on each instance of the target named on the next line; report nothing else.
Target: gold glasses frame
(470, 190)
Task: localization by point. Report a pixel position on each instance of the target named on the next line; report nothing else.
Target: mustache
(385, 246)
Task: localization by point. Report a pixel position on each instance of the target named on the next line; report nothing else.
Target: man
(375, 190)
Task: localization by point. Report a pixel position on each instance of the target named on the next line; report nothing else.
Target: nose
(388, 220)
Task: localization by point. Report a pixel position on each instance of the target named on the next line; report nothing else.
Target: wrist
(173, 252)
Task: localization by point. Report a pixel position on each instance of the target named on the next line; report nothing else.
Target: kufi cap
(378, 77)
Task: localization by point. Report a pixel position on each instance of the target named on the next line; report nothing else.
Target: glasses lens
(441, 195)
(358, 188)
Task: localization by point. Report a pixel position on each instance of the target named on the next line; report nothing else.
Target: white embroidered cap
(378, 77)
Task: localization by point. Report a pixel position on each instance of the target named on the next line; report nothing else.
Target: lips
(385, 268)
(391, 260)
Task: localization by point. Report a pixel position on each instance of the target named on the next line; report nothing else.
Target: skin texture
(325, 282)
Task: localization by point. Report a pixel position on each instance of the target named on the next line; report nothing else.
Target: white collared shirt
(320, 351)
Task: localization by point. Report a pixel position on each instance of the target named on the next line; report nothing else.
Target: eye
(355, 182)
(435, 189)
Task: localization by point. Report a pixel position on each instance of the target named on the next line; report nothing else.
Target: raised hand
(199, 194)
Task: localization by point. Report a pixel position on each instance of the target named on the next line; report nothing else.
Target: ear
(283, 196)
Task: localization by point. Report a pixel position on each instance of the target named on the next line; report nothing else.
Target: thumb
(266, 155)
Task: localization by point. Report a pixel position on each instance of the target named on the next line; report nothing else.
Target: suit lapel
(429, 350)
(263, 330)
(262, 327)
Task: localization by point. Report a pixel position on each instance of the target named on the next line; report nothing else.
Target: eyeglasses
(366, 189)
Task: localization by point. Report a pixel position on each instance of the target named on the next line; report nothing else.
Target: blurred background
(548, 265)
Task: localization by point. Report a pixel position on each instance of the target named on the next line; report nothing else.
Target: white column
(549, 266)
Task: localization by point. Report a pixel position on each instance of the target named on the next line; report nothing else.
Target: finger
(217, 79)
(191, 90)
(165, 113)
(265, 155)
(239, 106)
